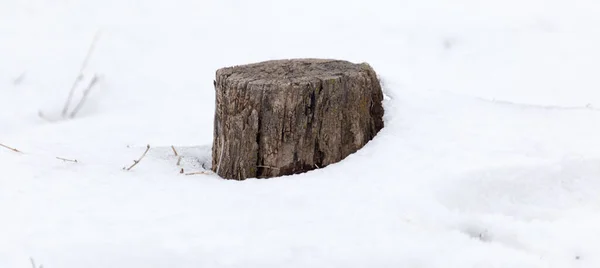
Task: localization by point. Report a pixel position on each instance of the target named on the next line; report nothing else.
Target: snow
(490, 154)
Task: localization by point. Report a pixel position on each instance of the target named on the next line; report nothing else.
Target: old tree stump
(285, 117)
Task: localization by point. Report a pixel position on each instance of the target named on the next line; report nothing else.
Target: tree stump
(286, 117)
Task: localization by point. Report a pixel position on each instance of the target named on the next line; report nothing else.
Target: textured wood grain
(285, 117)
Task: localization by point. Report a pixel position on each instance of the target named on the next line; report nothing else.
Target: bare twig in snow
(179, 161)
(174, 151)
(33, 263)
(135, 162)
(67, 160)
(84, 97)
(80, 74)
(181, 171)
(198, 173)
(10, 148)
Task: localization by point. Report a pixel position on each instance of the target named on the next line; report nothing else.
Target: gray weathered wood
(285, 117)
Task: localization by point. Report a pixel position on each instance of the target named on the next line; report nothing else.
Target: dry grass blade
(174, 151)
(84, 97)
(33, 263)
(135, 162)
(10, 148)
(197, 173)
(80, 74)
(67, 160)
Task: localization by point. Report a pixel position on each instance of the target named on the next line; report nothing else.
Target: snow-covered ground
(490, 156)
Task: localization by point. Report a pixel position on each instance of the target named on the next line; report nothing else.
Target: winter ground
(490, 156)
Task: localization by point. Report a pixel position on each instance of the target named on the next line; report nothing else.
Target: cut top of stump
(292, 71)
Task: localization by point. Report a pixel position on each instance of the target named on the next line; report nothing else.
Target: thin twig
(33, 263)
(80, 74)
(84, 97)
(317, 166)
(198, 173)
(135, 162)
(10, 148)
(179, 160)
(174, 151)
(67, 160)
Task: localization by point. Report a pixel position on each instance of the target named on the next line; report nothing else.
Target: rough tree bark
(286, 117)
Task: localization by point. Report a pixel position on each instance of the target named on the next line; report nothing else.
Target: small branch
(67, 160)
(80, 74)
(84, 97)
(179, 160)
(135, 162)
(197, 173)
(10, 148)
(174, 151)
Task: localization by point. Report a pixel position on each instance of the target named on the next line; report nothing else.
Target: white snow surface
(490, 155)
